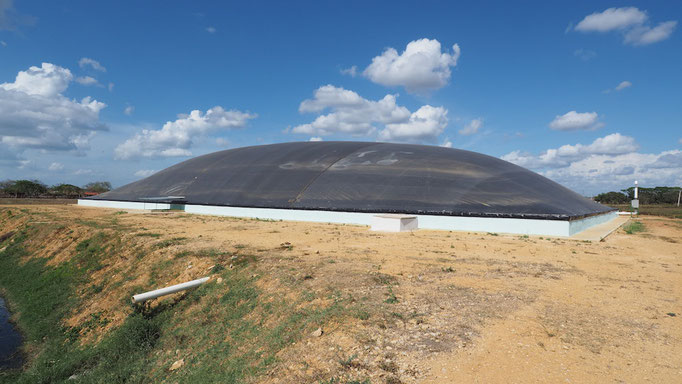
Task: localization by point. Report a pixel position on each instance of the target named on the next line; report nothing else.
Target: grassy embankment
(671, 211)
(226, 332)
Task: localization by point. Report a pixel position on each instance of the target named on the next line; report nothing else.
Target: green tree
(26, 188)
(611, 198)
(5, 186)
(66, 190)
(656, 195)
(98, 186)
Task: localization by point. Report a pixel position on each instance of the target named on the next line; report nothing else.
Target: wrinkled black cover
(363, 177)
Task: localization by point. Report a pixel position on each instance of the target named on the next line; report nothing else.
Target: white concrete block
(394, 223)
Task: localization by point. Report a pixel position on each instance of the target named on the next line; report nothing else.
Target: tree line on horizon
(36, 189)
(656, 195)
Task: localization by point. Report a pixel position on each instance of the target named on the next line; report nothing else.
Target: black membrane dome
(361, 177)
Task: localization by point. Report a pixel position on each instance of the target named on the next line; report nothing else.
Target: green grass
(170, 242)
(672, 211)
(634, 227)
(148, 234)
(205, 252)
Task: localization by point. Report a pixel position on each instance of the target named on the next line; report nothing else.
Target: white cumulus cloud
(87, 80)
(35, 114)
(608, 163)
(612, 19)
(643, 35)
(472, 127)
(94, 64)
(424, 125)
(145, 172)
(623, 85)
(351, 114)
(352, 71)
(613, 144)
(584, 54)
(576, 121)
(129, 110)
(47, 80)
(315, 138)
(175, 137)
(632, 22)
(421, 67)
(56, 167)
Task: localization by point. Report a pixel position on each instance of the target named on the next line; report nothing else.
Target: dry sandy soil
(447, 307)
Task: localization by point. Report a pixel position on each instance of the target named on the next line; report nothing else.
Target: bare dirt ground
(437, 306)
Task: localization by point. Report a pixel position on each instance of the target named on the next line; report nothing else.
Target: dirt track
(446, 307)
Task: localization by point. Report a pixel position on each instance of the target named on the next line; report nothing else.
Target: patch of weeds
(389, 366)
(209, 252)
(286, 246)
(308, 296)
(90, 223)
(157, 269)
(634, 227)
(96, 320)
(182, 254)
(120, 213)
(384, 279)
(349, 362)
(361, 314)
(492, 234)
(170, 242)
(96, 288)
(89, 252)
(148, 234)
(392, 298)
(336, 380)
(448, 269)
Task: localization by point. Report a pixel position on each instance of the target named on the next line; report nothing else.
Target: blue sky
(586, 93)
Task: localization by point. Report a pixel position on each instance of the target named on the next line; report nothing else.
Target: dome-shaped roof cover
(362, 177)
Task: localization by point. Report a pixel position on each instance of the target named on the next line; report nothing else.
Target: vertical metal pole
(635, 202)
(678, 197)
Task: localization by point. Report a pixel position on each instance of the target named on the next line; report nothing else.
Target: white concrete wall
(450, 223)
(122, 204)
(577, 226)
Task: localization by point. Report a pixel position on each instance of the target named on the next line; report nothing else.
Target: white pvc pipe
(140, 297)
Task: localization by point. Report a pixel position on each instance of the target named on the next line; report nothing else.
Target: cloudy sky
(586, 93)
